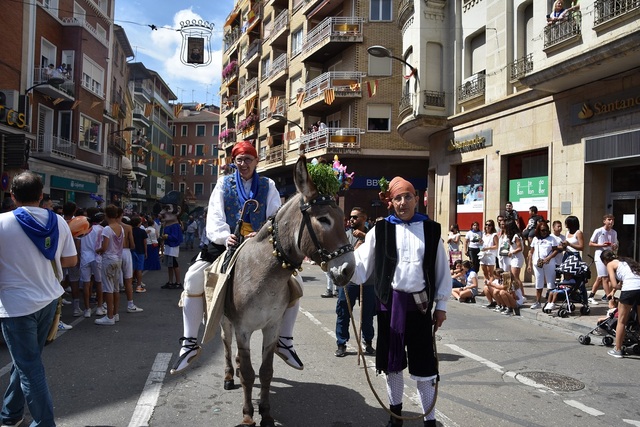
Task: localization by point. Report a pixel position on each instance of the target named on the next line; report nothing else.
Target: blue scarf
(242, 194)
(45, 237)
(417, 217)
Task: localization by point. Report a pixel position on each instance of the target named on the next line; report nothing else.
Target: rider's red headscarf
(243, 147)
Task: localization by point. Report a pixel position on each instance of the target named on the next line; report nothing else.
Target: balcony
(332, 140)
(406, 9)
(229, 104)
(72, 21)
(53, 146)
(274, 156)
(113, 163)
(405, 105)
(608, 12)
(277, 105)
(252, 18)
(279, 70)
(227, 136)
(66, 90)
(248, 88)
(138, 116)
(230, 72)
(563, 32)
(520, 68)
(433, 98)
(230, 39)
(249, 54)
(331, 36)
(278, 30)
(472, 88)
(139, 167)
(346, 85)
(139, 89)
(117, 143)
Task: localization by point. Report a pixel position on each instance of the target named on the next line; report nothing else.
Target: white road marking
(632, 422)
(529, 382)
(584, 408)
(151, 392)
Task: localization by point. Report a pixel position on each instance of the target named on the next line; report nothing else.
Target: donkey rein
(366, 368)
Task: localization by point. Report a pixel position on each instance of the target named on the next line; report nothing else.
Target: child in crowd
(453, 240)
(111, 251)
(139, 254)
(172, 237)
(568, 282)
(91, 262)
(492, 291)
(469, 292)
(512, 294)
(458, 275)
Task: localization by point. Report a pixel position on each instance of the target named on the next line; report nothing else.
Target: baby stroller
(607, 329)
(572, 294)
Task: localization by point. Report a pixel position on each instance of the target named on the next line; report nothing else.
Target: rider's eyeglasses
(245, 160)
(354, 217)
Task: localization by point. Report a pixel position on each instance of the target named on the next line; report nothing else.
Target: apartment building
(515, 108)
(152, 148)
(288, 65)
(195, 133)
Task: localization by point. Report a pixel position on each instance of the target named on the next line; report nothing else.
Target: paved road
(118, 376)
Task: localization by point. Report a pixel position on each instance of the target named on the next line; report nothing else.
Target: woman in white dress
(489, 250)
(516, 246)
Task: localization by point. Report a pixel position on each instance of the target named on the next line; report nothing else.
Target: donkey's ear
(303, 181)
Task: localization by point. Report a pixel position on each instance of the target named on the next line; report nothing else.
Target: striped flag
(354, 87)
(329, 96)
(57, 101)
(292, 135)
(300, 99)
(176, 109)
(75, 104)
(273, 103)
(372, 88)
(94, 104)
(248, 106)
(148, 109)
(270, 141)
(115, 109)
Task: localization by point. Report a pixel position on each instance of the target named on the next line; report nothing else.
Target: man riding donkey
(227, 205)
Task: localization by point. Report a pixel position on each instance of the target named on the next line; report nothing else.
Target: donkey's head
(321, 235)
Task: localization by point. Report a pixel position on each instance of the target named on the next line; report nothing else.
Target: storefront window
(529, 182)
(469, 194)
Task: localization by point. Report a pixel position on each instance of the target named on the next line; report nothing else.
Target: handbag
(504, 250)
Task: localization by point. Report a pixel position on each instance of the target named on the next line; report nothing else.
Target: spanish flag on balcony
(329, 96)
(273, 103)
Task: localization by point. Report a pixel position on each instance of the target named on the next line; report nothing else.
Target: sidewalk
(580, 324)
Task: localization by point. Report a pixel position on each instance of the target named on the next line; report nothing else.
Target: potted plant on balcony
(229, 69)
(226, 135)
(248, 123)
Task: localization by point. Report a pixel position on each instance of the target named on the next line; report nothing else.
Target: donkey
(309, 224)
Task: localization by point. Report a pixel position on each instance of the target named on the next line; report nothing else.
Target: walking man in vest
(406, 257)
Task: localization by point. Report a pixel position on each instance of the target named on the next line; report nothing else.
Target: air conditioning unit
(10, 98)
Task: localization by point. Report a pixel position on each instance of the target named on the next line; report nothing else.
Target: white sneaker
(592, 301)
(134, 309)
(63, 326)
(116, 317)
(105, 321)
(536, 305)
(77, 312)
(66, 302)
(87, 313)
(101, 311)
(551, 306)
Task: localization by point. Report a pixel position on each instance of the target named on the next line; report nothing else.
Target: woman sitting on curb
(470, 291)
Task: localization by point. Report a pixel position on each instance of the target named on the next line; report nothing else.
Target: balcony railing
(561, 31)
(75, 21)
(113, 162)
(280, 108)
(279, 64)
(229, 103)
(40, 75)
(250, 51)
(139, 88)
(337, 26)
(405, 10)
(332, 138)
(50, 144)
(606, 10)
(118, 143)
(275, 155)
(281, 22)
(344, 84)
(252, 17)
(248, 87)
(472, 88)
(405, 104)
(520, 67)
(433, 98)
(231, 37)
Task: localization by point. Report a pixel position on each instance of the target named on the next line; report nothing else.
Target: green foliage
(324, 177)
(384, 184)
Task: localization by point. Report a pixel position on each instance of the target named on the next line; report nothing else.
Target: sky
(159, 50)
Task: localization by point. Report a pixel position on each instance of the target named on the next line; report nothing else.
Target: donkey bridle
(324, 255)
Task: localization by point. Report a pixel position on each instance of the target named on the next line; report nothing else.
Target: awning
(233, 15)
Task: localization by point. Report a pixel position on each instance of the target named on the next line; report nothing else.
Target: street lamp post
(383, 52)
(281, 118)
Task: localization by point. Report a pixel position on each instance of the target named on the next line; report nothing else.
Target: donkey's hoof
(229, 385)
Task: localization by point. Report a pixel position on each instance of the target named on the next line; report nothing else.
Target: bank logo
(586, 112)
